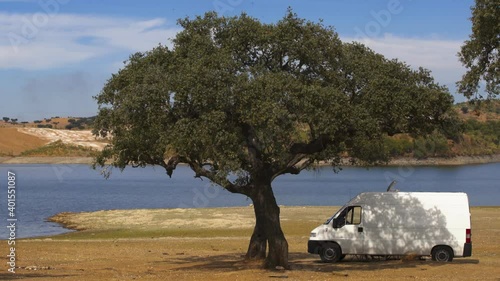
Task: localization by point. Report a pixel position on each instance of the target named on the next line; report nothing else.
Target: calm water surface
(45, 190)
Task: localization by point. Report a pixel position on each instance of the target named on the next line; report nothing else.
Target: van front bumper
(467, 250)
(313, 247)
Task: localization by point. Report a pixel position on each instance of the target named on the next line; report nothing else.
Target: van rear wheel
(330, 253)
(442, 254)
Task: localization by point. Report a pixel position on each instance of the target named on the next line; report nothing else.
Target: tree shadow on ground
(307, 262)
(299, 262)
(221, 262)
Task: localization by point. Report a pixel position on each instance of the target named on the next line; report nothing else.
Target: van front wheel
(442, 254)
(330, 253)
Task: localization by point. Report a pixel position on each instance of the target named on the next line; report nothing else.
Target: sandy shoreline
(452, 161)
(46, 160)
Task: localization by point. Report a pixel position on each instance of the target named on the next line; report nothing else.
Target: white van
(433, 224)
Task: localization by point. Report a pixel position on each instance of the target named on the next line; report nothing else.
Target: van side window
(353, 215)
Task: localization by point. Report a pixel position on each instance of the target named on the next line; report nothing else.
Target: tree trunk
(258, 243)
(267, 229)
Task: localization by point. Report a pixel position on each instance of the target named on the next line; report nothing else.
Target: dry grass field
(208, 244)
(13, 142)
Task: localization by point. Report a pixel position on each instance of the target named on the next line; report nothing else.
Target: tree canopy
(243, 102)
(480, 54)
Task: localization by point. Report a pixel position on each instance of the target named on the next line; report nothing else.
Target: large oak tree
(244, 102)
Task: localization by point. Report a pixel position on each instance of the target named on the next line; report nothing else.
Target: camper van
(435, 224)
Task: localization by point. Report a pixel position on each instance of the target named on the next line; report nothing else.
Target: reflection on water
(45, 190)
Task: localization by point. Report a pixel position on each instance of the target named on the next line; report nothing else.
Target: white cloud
(42, 41)
(45, 56)
(437, 55)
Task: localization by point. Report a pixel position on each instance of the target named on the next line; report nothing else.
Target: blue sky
(56, 54)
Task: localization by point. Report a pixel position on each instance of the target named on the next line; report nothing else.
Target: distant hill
(483, 111)
(38, 137)
(68, 123)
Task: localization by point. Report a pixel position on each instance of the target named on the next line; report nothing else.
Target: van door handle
(360, 229)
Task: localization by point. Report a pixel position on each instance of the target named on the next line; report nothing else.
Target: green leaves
(239, 97)
(480, 54)
(133, 109)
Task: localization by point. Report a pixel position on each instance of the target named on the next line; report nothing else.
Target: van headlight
(313, 234)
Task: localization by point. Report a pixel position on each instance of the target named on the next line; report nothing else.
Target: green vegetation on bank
(476, 132)
(60, 149)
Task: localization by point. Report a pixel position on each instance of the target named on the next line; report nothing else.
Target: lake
(45, 190)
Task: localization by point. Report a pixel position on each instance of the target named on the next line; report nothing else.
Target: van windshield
(335, 215)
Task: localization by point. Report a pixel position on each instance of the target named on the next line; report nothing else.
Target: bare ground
(46, 160)
(168, 248)
(83, 137)
(13, 142)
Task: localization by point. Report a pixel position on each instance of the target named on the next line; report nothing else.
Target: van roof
(390, 198)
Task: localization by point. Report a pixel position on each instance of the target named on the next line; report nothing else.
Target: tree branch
(172, 163)
(223, 182)
(199, 171)
(315, 146)
(253, 147)
(299, 156)
(294, 166)
(312, 131)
